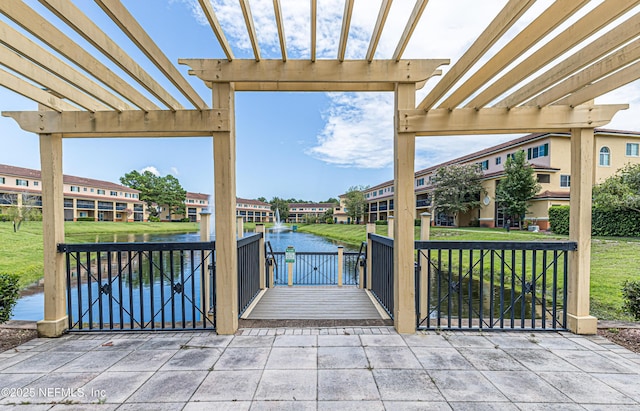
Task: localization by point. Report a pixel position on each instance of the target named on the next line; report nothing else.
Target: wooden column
(391, 227)
(582, 162)
(55, 311)
(240, 226)
(224, 167)
(404, 147)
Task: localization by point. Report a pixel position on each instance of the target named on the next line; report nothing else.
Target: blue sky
(304, 145)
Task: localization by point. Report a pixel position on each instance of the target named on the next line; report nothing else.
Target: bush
(559, 219)
(9, 293)
(631, 296)
(85, 219)
(621, 223)
(381, 222)
(5, 217)
(154, 219)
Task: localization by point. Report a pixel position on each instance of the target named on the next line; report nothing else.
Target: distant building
(340, 212)
(254, 211)
(304, 212)
(194, 204)
(84, 198)
(550, 156)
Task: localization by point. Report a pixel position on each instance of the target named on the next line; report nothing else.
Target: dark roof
(67, 179)
(249, 201)
(552, 194)
(305, 205)
(198, 196)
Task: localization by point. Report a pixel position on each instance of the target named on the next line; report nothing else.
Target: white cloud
(174, 171)
(152, 170)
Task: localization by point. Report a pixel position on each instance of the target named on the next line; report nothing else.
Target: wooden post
(390, 226)
(582, 160)
(360, 275)
(425, 226)
(263, 270)
(340, 265)
(371, 229)
(271, 281)
(55, 311)
(404, 148)
(290, 274)
(205, 236)
(239, 227)
(224, 164)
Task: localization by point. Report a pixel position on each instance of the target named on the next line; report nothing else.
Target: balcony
(423, 203)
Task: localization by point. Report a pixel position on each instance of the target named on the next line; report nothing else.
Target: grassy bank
(612, 260)
(21, 252)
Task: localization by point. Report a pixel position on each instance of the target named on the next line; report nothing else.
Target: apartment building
(550, 156)
(84, 198)
(303, 212)
(254, 211)
(194, 204)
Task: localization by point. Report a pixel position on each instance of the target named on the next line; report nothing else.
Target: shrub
(381, 222)
(559, 219)
(5, 217)
(154, 219)
(631, 296)
(85, 219)
(9, 293)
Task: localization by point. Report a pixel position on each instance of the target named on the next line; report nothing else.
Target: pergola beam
(413, 21)
(17, 42)
(35, 24)
(39, 75)
(251, 28)
(438, 122)
(279, 23)
(314, 28)
(344, 33)
(551, 18)
(322, 71)
(377, 30)
(592, 52)
(607, 84)
(207, 9)
(28, 90)
(596, 19)
(85, 27)
(596, 71)
(507, 17)
(130, 26)
(134, 123)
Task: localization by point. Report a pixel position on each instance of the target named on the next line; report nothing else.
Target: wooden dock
(316, 303)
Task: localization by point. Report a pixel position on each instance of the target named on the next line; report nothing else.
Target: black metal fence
(492, 285)
(382, 271)
(248, 270)
(139, 286)
(316, 268)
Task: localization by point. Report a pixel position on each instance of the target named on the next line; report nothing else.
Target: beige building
(340, 212)
(84, 198)
(253, 211)
(303, 212)
(550, 155)
(194, 204)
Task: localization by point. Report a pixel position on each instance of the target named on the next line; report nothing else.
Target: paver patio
(320, 369)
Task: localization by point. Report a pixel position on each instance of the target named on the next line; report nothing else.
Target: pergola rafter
(92, 101)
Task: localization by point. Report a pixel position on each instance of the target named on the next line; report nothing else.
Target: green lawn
(612, 260)
(21, 252)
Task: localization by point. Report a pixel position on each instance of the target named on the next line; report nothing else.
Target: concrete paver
(351, 368)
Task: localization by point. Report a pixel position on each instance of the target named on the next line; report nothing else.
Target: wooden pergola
(87, 100)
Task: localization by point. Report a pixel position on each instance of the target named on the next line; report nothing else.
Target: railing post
(340, 264)
(271, 274)
(205, 235)
(290, 274)
(239, 227)
(260, 229)
(390, 226)
(425, 226)
(360, 273)
(371, 229)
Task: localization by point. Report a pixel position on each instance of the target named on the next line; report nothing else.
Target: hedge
(9, 294)
(5, 217)
(85, 219)
(623, 223)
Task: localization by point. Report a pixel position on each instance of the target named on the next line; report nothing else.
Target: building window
(380, 192)
(484, 165)
(544, 178)
(1, 180)
(75, 189)
(114, 193)
(632, 149)
(84, 189)
(605, 156)
(20, 182)
(565, 180)
(498, 160)
(540, 151)
(91, 190)
(36, 183)
(100, 191)
(420, 181)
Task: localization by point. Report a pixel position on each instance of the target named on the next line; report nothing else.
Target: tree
(263, 199)
(620, 191)
(355, 203)
(157, 191)
(332, 200)
(517, 187)
(22, 207)
(457, 189)
(281, 205)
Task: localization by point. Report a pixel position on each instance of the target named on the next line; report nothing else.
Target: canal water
(30, 307)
